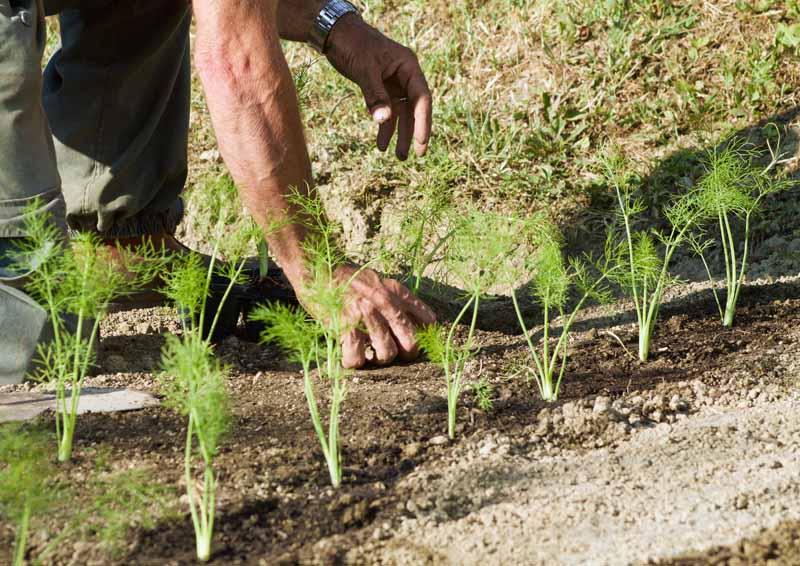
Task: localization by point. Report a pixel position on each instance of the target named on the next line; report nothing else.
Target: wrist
(345, 28)
(331, 15)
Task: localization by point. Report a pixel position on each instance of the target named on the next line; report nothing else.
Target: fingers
(385, 133)
(421, 101)
(405, 127)
(354, 349)
(421, 312)
(410, 75)
(380, 334)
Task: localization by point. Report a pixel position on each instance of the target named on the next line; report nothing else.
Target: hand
(391, 79)
(388, 312)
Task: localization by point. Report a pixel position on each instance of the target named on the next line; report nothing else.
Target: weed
(482, 390)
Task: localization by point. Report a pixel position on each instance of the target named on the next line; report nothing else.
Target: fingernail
(381, 115)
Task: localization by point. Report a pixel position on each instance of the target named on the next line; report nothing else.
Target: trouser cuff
(143, 224)
(14, 212)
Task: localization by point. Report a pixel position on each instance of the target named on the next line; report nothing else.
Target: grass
(525, 91)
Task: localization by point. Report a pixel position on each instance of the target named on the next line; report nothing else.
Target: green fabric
(100, 140)
(116, 97)
(24, 325)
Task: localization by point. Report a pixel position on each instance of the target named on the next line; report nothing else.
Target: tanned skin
(254, 109)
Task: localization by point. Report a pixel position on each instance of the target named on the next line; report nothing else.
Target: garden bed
(275, 502)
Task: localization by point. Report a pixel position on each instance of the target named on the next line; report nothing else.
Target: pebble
(741, 502)
(412, 449)
(602, 405)
(438, 440)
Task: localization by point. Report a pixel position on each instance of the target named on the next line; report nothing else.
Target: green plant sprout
(478, 251)
(25, 474)
(733, 188)
(197, 384)
(638, 267)
(78, 279)
(316, 341)
(482, 390)
(552, 281)
(197, 390)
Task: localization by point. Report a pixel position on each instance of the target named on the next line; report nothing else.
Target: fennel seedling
(731, 189)
(197, 384)
(638, 266)
(478, 250)
(552, 280)
(76, 282)
(316, 341)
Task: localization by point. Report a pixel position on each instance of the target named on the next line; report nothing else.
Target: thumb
(379, 103)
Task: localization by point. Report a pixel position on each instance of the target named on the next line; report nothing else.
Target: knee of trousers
(19, 342)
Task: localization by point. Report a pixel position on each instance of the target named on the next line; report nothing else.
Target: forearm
(253, 105)
(296, 17)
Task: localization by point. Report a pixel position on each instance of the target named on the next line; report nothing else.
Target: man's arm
(254, 109)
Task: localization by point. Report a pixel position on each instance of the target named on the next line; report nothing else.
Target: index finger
(410, 303)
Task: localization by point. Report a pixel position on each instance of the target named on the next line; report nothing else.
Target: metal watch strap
(326, 19)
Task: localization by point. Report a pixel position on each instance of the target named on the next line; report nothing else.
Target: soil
(636, 463)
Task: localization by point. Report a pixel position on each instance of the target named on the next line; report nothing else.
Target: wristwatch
(327, 18)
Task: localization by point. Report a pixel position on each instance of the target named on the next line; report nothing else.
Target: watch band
(326, 19)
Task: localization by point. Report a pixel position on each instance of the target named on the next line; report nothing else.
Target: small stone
(602, 405)
(412, 450)
(741, 502)
(212, 155)
(145, 328)
(487, 447)
(657, 416)
(678, 404)
(438, 440)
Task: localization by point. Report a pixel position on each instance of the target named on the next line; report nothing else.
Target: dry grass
(528, 92)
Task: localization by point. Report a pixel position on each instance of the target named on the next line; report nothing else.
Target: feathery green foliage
(316, 341)
(637, 265)
(123, 501)
(76, 282)
(482, 390)
(25, 473)
(552, 281)
(479, 249)
(428, 224)
(197, 390)
(196, 380)
(733, 189)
